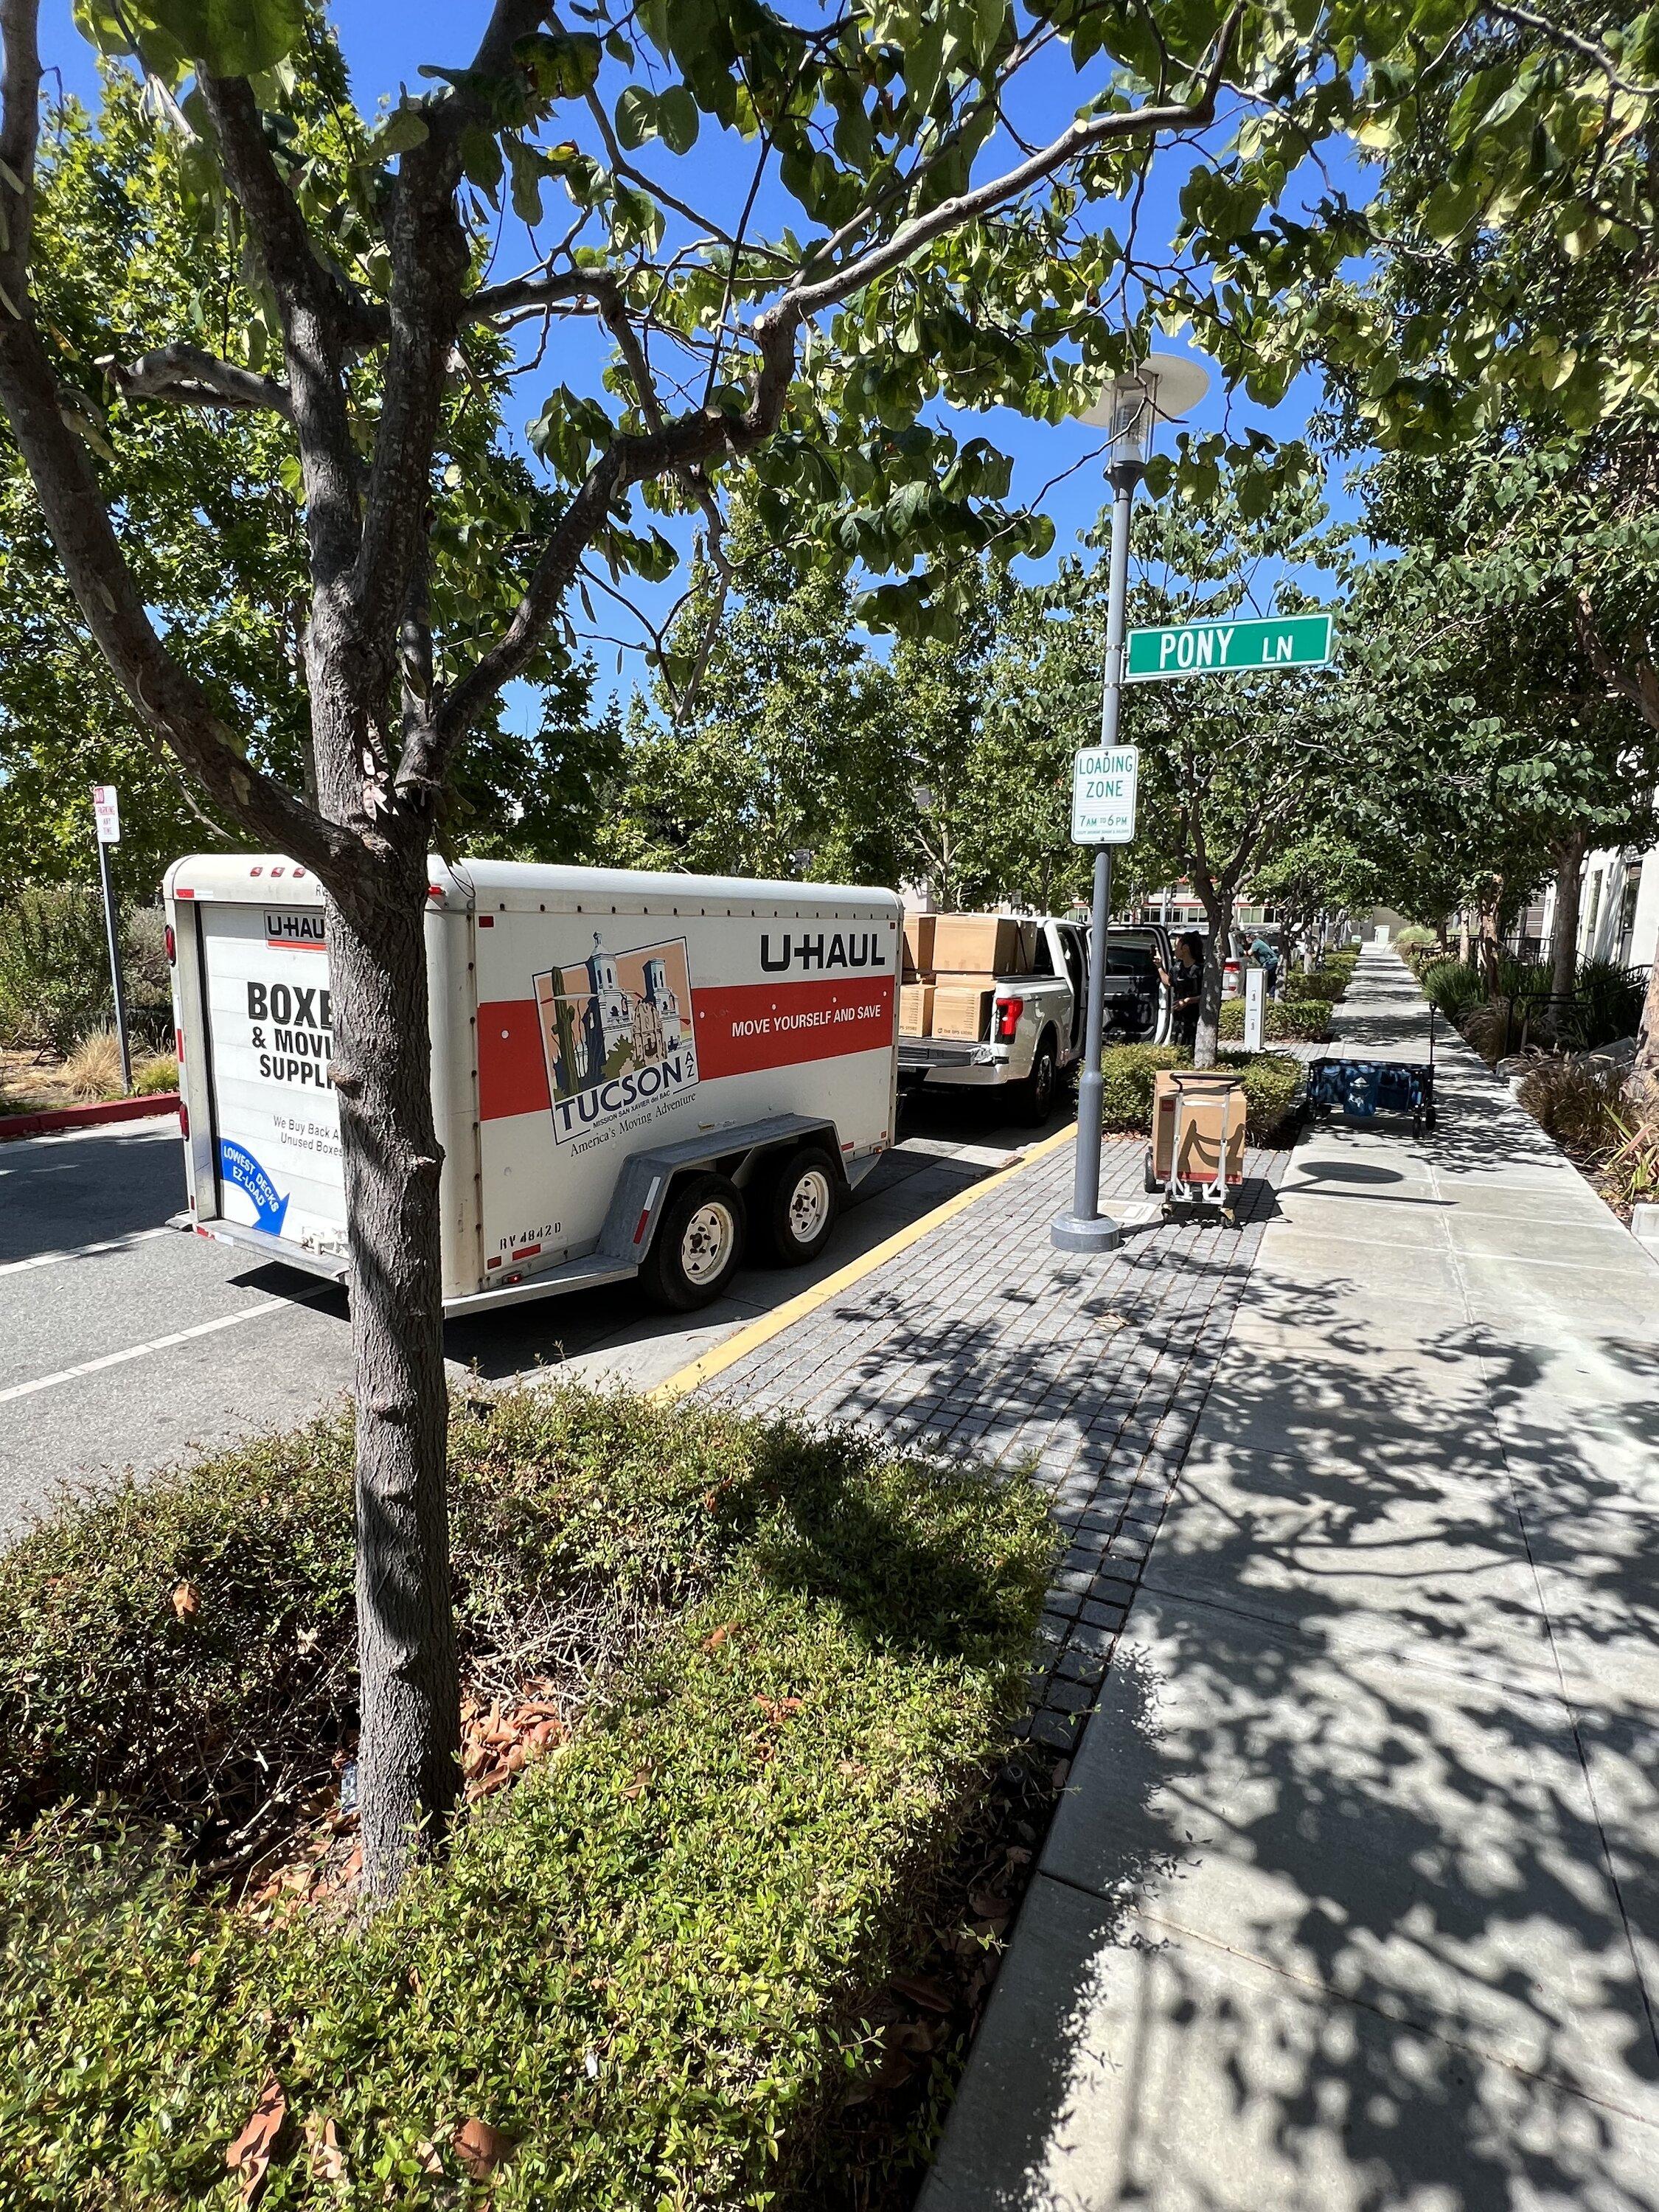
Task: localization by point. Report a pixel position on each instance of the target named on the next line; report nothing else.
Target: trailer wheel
(698, 1243)
(801, 1202)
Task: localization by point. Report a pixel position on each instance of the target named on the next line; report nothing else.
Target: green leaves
(230, 38)
(561, 64)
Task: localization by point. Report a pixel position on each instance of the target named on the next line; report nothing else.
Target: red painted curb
(87, 1117)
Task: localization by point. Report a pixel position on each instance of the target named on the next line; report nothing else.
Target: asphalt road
(126, 1345)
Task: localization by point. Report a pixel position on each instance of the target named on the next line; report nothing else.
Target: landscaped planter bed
(775, 1676)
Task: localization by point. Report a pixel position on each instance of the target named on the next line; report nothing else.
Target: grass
(1271, 1082)
(791, 1662)
(92, 1071)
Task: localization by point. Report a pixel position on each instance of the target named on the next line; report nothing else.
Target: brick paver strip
(980, 1340)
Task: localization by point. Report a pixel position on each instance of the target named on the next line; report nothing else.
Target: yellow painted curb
(796, 1309)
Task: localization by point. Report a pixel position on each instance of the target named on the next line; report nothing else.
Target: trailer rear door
(276, 1134)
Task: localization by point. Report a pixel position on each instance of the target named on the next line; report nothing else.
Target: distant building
(1618, 909)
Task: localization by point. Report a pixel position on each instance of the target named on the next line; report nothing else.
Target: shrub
(1607, 1005)
(1575, 1104)
(151, 1076)
(1271, 1082)
(645, 1964)
(148, 979)
(1282, 1019)
(93, 1069)
(1126, 1073)
(1326, 982)
(54, 968)
(1630, 1176)
(1452, 987)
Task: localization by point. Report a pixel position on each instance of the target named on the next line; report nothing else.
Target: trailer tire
(698, 1243)
(797, 1209)
(1035, 1098)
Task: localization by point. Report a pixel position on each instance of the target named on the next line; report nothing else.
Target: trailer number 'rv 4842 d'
(600, 1043)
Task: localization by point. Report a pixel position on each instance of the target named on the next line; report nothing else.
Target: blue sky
(384, 46)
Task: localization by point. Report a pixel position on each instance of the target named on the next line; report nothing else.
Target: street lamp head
(1164, 387)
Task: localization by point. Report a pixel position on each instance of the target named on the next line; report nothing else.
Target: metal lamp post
(1164, 388)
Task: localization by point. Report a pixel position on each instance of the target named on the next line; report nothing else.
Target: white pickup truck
(1034, 1037)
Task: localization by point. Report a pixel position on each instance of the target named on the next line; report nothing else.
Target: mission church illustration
(616, 1013)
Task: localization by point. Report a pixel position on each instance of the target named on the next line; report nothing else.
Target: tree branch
(186, 376)
(169, 699)
(20, 131)
(1080, 138)
(526, 295)
(319, 323)
(1589, 50)
(693, 438)
(1638, 683)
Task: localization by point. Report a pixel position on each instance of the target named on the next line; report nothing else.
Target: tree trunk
(409, 1745)
(1218, 912)
(1642, 1084)
(1489, 942)
(1465, 947)
(1563, 942)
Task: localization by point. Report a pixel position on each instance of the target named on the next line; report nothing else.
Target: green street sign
(1229, 648)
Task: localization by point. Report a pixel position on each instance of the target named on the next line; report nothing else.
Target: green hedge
(646, 1962)
(1282, 1019)
(1271, 1082)
(1327, 982)
(54, 970)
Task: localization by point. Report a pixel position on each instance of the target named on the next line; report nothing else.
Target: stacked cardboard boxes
(953, 962)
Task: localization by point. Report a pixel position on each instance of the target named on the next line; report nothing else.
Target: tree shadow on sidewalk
(1353, 1901)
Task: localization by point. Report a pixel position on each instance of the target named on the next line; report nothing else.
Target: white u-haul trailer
(631, 1073)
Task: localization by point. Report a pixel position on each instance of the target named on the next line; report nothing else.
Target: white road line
(156, 1344)
(83, 1251)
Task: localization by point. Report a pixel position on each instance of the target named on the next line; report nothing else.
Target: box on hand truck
(1196, 1154)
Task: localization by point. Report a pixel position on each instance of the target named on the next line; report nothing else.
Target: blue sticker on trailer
(238, 1166)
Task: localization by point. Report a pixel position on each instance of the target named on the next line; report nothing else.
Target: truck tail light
(172, 944)
(1008, 1014)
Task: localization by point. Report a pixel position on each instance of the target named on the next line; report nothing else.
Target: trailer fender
(646, 1178)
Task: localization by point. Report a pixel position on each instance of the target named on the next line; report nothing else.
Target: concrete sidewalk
(1353, 1901)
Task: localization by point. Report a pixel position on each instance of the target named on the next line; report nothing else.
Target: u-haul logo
(822, 951)
(295, 930)
(618, 1034)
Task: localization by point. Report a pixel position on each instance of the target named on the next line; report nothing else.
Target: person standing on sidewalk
(1183, 982)
(1266, 957)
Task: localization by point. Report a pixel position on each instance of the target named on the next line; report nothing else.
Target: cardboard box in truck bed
(584, 1021)
(961, 1011)
(919, 944)
(916, 1009)
(979, 945)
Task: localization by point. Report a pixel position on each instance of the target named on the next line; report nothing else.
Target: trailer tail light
(1008, 1014)
(183, 1119)
(172, 944)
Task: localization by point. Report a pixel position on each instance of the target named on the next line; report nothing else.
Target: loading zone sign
(1103, 795)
